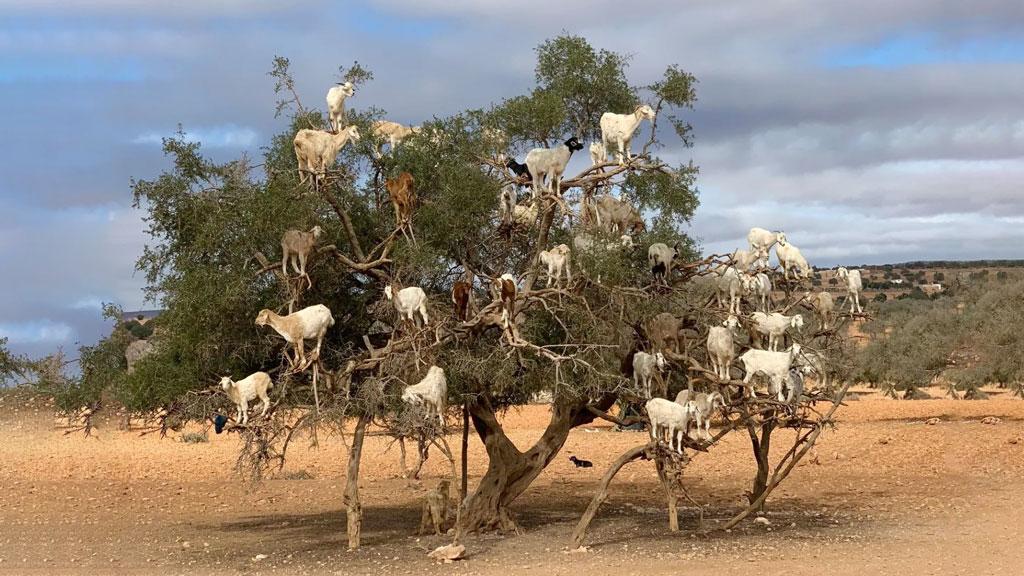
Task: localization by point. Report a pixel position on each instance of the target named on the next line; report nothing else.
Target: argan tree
(213, 263)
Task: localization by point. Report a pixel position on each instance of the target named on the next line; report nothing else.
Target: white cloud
(36, 332)
(226, 136)
(178, 8)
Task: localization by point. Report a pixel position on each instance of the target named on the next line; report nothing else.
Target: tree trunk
(509, 471)
(673, 501)
(761, 447)
(464, 486)
(353, 508)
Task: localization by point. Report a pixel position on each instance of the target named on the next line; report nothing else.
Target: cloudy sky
(871, 131)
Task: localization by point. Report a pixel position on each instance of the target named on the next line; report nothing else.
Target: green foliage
(971, 340)
(11, 365)
(588, 82)
(911, 343)
(213, 224)
(677, 88)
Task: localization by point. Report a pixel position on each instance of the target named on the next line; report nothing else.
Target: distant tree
(11, 364)
(880, 297)
(938, 277)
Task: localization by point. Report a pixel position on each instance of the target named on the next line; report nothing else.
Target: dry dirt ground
(886, 494)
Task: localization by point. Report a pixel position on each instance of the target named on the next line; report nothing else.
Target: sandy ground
(886, 495)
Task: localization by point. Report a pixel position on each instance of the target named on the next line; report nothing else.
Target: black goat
(518, 169)
(581, 463)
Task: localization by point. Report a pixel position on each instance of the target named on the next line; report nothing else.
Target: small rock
(580, 550)
(762, 520)
(1014, 440)
(259, 557)
(991, 420)
(449, 553)
(885, 440)
(186, 544)
(932, 421)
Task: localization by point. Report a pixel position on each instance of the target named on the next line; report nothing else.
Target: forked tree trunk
(510, 471)
(353, 508)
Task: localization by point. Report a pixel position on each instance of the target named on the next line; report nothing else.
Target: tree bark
(761, 447)
(353, 508)
(580, 532)
(673, 500)
(464, 485)
(510, 471)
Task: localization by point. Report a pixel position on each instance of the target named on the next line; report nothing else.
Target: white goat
(774, 365)
(824, 307)
(315, 150)
(705, 404)
(721, 347)
(791, 258)
(761, 242)
(667, 416)
(729, 285)
(853, 287)
(759, 288)
(246, 390)
(525, 216)
(598, 155)
(814, 362)
(431, 393)
(790, 389)
(336, 103)
(744, 259)
(391, 133)
(659, 258)
(408, 302)
(306, 324)
(775, 326)
(618, 129)
(557, 261)
(507, 204)
(549, 164)
(644, 365)
(617, 216)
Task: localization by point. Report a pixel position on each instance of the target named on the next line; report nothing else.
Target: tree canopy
(212, 263)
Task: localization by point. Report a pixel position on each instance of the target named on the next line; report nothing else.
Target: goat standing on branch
(462, 293)
(549, 164)
(296, 246)
(431, 393)
(316, 150)
(391, 133)
(618, 129)
(336, 103)
(246, 390)
(306, 324)
(409, 301)
(403, 198)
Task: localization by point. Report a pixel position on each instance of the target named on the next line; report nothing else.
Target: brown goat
(663, 332)
(403, 196)
(461, 292)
